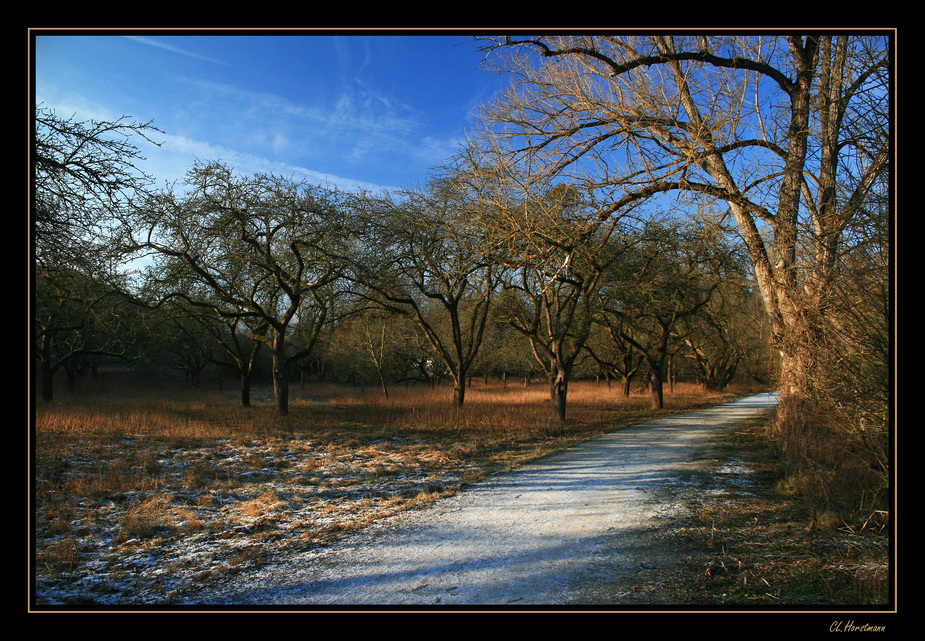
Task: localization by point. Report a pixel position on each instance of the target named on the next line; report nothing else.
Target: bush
(828, 459)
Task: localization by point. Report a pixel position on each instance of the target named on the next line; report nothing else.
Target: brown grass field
(171, 410)
(146, 493)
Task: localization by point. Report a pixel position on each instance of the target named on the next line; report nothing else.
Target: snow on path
(567, 529)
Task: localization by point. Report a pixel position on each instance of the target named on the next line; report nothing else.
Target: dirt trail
(571, 529)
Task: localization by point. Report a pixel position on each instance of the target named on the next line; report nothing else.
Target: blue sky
(351, 111)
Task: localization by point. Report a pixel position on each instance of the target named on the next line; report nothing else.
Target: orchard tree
(370, 341)
(256, 248)
(505, 352)
(176, 297)
(185, 339)
(666, 275)
(200, 336)
(615, 354)
(78, 318)
(237, 336)
(716, 338)
(554, 242)
(789, 132)
(556, 268)
(425, 255)
(85, 173)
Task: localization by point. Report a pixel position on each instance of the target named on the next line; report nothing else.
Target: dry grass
(116, 427)
(123, 472)
(169, 468)
(821, 459)
(182, 413)
(760, 544)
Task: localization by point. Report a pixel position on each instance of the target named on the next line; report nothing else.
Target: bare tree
(554, 242)
(425, 256)
(556, 267)
(789, 132)
(854, 377)
(84, 175)
(615, 355)
(666, 275)
(716, 341)
(78, 317)
(239, 346)
(248, 247)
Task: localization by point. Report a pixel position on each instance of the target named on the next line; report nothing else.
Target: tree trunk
(245, 389)
(559, 393)
(657, 385)
(459, 394)
(280, 374)
(48, 376)
(459, 387)
(671, 374)
(657, 367)
(70, 371)
(47, 372)
(795, 372)
(799, 339)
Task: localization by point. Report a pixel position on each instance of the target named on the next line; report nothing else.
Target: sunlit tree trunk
(560, 393)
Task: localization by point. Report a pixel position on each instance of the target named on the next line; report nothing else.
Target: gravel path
(571, 529)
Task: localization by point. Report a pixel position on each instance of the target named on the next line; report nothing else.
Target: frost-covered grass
(146, 494)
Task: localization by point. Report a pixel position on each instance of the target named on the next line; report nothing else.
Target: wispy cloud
(167, 47)
(354, 114)
(359, 122)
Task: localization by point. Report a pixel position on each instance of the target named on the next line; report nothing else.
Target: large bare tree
(789, 132)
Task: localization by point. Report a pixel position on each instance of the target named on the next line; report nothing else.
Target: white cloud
(163, 45)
